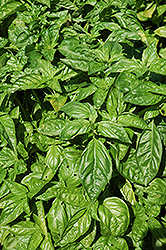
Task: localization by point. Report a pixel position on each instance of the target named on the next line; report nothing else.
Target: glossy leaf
(115, 215)
(7, 128)
(77, 228)
(40, 218)
(158, 66)
(88, 240)
(8, 8)
(161, 31)
(53, 158)
(23, 228)
(139, 229)
(99, 97)
(47, 244)
(128, 192)
(76, 110)
(157, 230)
(136, 173)
(29, 81)
(34, 182)
(49, 193)
(131, 120)
(149, 153)
(85, 92)
(74, 128)
(45, 2)
(126, 81)
(49, 38)
(51, 127)
(149, 54)
(111, 243)
(7, 157)
(69, 169)
(156, 192)
(95, 168)
(113, 130)
(72, 196)
(34, 241)
(11, 211)
(16, 188)
(57, 219)
(82, 124)
(139, 96)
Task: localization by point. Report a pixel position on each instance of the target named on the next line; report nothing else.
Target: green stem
(22, 108)
(37, 98)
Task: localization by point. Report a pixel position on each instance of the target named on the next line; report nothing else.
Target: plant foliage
(82, 124)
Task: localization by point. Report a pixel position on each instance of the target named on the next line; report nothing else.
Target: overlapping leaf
(95, 168)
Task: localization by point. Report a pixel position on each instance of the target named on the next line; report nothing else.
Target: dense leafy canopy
(82, 124)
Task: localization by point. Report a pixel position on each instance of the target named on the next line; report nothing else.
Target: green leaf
(149, 153)
(23, 228)
(69, 169)
(128, 192)
(131, 120)
(90, 237)
(57, 219)
(95, 168)
(49, 193)
(115, 215)
(158, 66)
(19, 36)
(142, 95)
(99, 97)
(47, 243)
(130, 65)
(113, 130)
(7, 157)
(135, 169)
(34, 241)
(29, 81)
(158, 231)
(34, 182)
(126, 81)
(152, 210)
(161, 31)
(72, 196)
(139, 229)
(149, 54)
(76, 227)
(8, 8)
(74, 128)
(16, 188)
(157, 191)
(3, 42)
(45, 2)
(40, 219)
(76, 109)
(53, 158)
(85, 92)
(46, 68)
(112, 103)
(103, 83)
(162, 53)
(7, 128)
(110, 242)
(51, 127)
(49, 38)
(11, 211)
